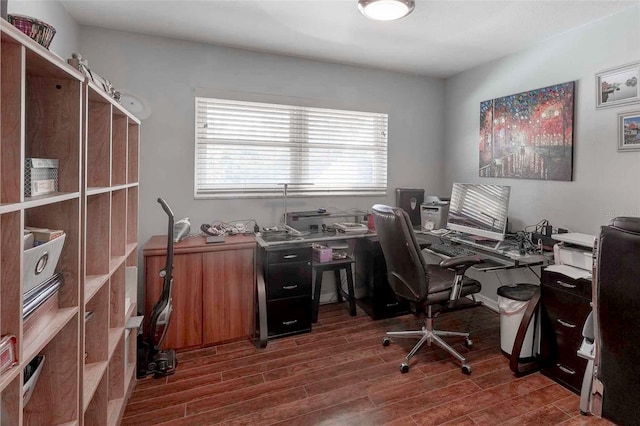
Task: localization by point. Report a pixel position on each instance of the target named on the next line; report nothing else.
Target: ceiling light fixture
(386, 10)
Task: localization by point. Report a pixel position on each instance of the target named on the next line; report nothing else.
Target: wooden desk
(213, 289)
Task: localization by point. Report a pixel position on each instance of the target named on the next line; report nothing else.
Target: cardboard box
(43, 235)
(322, 254)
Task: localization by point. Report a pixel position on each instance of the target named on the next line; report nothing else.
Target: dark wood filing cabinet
(379, 300)
(565, 305)
(288, 274)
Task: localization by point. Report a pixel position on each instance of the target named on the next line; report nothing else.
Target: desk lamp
(286, 185)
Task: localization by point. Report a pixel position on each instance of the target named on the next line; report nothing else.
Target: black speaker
(409, 200)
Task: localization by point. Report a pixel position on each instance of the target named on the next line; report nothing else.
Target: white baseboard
(489, 303)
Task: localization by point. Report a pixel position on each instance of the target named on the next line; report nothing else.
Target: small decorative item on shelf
(82, 64)
(39, 31)
(8, 354)
(40, 176)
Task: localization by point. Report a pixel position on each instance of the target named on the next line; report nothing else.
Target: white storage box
(40, 176)
(40, 262)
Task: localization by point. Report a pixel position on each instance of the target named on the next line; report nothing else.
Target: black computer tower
(379, 300)
(409, 200)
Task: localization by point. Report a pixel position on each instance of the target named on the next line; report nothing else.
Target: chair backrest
(617, 318)
(407, 271)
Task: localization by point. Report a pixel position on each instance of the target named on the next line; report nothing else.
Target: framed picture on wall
(528, 135)
(618, 86)
(629, 131)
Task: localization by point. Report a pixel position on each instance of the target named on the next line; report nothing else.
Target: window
(249, 149)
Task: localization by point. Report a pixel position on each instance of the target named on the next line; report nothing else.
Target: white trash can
(512, 302)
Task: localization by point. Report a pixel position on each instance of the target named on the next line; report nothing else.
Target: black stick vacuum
(152, 360)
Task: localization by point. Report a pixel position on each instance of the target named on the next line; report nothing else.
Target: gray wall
(65, 42)
(605, 182)
(165, 72)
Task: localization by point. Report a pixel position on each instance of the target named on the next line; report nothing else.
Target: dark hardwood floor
(340, 374)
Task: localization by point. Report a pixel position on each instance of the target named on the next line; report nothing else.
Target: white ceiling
(440, 38)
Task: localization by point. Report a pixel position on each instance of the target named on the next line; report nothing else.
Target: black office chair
(616, 323)
(423, 285)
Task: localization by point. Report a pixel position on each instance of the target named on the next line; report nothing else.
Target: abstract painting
(528, 135)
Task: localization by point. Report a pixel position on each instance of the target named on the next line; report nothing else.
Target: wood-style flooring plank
(340, 374)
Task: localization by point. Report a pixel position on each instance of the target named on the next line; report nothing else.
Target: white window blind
(245, 149)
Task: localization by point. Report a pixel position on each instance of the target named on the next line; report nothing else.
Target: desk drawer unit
(288, 316)
(564, 309)
(288, 280)
(288, 276)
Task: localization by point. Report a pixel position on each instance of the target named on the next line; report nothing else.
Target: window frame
(297, 187)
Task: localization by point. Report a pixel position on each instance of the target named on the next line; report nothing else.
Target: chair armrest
(460, 263)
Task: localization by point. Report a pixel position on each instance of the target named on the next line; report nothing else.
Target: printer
(433, 212)
(574, 249)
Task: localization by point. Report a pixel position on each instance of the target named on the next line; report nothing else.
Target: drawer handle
(566, 324)
(392, 304)
(566, 285)
(565, 369)
(290, 287)
(289, 322)
(289, 256)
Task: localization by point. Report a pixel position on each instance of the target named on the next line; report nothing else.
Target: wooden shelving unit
(111, 144)
(48, 110)
(41, 117)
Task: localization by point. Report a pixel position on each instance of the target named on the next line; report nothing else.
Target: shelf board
(33, 344)
(43, 200)
(114, 337)
(115, 263)
(99, 95)
(130, 311)
(130, 376)
(10, 207)
(8, 376)
(92, 375)
(93, 284)
(119, 187)
(96, 190)
(113, 411)
(130, 249)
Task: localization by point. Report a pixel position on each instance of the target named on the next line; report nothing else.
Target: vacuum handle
(165, 207)
(168, 268)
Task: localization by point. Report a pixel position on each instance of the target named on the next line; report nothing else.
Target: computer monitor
(478, 209)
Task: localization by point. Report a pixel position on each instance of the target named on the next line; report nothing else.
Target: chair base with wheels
(428, 335)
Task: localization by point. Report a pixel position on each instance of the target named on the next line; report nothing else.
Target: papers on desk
(569, 271)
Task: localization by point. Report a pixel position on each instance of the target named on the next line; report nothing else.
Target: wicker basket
(39, 31)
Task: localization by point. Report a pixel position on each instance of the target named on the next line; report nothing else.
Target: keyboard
(451, 250)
